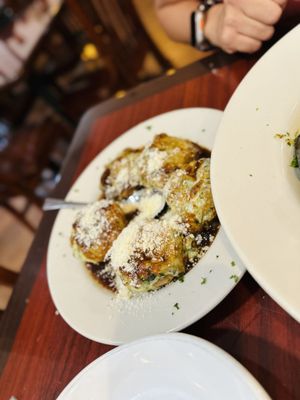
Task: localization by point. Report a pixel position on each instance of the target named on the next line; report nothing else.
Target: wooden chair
(22, 163)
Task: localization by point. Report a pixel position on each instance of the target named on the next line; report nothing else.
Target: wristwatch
(198, 17)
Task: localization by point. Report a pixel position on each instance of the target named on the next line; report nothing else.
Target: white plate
(165, 367)
(91, 309)
(256, 192)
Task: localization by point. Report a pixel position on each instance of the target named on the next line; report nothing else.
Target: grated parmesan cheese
(155, 160)
(91, 222)
(128, 176)
(150, 206)
(143, 236)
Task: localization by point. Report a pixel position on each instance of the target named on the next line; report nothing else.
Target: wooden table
(40, 353)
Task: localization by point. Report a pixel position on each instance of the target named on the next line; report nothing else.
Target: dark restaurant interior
(57, 60)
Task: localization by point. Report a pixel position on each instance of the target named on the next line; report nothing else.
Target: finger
(234, 19)
(254, 29)
(245, 44)
(265, 11)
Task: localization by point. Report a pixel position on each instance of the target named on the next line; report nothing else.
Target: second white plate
(165, 367)
(256, 191)
(91, 309)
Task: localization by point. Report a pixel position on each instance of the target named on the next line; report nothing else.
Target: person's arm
(175, 17)
(234, 25)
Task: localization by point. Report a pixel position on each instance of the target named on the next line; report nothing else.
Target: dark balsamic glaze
(99, 273)
(210, 229)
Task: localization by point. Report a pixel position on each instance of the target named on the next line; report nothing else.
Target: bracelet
(198, 38)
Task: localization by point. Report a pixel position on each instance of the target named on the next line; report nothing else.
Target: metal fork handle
(58, 204)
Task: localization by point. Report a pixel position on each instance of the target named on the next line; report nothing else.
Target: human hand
(242, 25)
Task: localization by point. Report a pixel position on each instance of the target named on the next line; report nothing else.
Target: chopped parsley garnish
(210, 271)
(203, 130)
(232, 263)
(181, 278)
(250, 175)
(294, 163)
(290, 140)
(257, 108)
(217, 256)
(203, 280)
(287, 137)
(176, 305)
(235, 278)
(149, 127)
(76, 190)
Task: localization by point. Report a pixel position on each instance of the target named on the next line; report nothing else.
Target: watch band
(206, 4)
(198, 38)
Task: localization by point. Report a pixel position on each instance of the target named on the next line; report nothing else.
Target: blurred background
(57, 59)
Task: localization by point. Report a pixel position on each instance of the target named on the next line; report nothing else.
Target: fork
(57, 204)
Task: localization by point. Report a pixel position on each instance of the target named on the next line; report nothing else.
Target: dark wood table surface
(40, 353)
